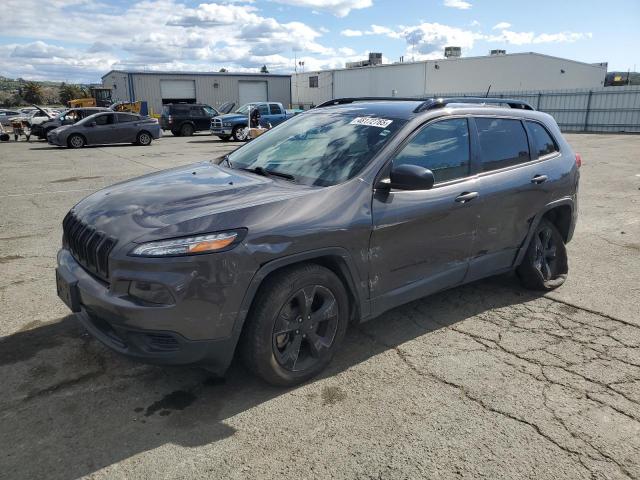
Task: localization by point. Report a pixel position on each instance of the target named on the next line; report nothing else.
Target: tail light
(170, 119)
(578, 160)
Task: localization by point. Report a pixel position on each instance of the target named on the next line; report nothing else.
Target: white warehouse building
(215, 88)
(510, 72)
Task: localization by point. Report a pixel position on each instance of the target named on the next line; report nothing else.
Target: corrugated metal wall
(213, 90)
(518, 71)
(607, 109)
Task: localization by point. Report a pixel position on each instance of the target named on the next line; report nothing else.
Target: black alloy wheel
(296, 324)
(545, 265)
(305, 328)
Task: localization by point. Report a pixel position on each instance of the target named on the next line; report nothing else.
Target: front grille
(216, 123)
(88, 246)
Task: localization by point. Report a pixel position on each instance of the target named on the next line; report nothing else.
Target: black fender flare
(536, 221)
(348, 271)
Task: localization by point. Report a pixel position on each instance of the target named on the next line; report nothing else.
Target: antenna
(488, 90)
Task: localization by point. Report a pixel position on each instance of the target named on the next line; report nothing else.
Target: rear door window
(503, 143)
(126, 117)
(275, 109)
(442, 147)
(542, 141)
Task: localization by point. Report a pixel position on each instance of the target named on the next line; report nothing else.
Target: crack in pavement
(558, 329)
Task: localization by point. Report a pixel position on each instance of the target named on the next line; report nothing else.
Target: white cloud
(531, 38)
(459, 4)
(427, 40)
(501, 26)
(351, 33)
(339, 8)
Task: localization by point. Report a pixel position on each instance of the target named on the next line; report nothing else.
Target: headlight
(207, 243)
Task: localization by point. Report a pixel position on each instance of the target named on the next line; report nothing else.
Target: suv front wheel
(545, 265)
(297, 322)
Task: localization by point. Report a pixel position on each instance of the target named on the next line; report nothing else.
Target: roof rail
(433, 103)
(347, 100)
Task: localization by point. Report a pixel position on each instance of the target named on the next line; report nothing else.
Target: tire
(76, 141)
(224, 138)
(544, 266)
(144, 138)
(186, 130)
(238, 133)
(281, 347)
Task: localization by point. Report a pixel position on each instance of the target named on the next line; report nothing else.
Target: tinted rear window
(275, 109)
(127, 117)
(542, 140)
(503, 143)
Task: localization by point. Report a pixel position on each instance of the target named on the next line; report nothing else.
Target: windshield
(245, 108)
(318, 148)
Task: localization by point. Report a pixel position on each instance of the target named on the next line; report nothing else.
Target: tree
(264, 69)
(69, 92)
(223, 70)
(32, 92)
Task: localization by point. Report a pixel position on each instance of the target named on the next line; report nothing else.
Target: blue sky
(80, 40)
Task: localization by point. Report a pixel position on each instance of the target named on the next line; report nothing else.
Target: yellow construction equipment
(100, 97)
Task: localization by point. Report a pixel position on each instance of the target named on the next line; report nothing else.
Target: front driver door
(422, 240)
(102, 131)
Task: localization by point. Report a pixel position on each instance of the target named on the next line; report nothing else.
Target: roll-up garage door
(178, 91)
(252, 91)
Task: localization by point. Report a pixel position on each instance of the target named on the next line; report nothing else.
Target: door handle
(466, 197)
(538, 179)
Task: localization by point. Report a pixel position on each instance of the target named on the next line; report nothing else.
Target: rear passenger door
(276, 114)
(200, 118)
(126, 130)
(513, 189)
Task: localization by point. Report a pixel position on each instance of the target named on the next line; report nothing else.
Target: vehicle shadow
(71, 407)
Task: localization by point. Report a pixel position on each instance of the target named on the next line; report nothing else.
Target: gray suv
(333, 217)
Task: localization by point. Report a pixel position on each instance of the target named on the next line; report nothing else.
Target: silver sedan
(105, 128)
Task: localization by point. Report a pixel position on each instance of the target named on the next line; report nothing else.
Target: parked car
(104, 128)
(68, 117)
(234, 125)
(40, 115)
(334, 217)
(7, 115)
(184, 119)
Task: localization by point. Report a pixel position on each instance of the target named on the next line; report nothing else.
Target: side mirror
(408, 177)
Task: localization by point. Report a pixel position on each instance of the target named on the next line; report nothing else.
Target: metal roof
(207, 74)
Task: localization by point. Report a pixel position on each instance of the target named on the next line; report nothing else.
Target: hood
(43, 111)
(232, 116)
(197, 198)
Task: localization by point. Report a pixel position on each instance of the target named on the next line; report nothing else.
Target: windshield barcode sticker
(371, 122)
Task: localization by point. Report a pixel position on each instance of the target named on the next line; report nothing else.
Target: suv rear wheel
(186, 130)
(297, 322)
(545, 265)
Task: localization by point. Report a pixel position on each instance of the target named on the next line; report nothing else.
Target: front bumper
(167, 334)
(220, 131)
(53, 139)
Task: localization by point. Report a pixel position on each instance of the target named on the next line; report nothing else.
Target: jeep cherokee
(335, 216)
